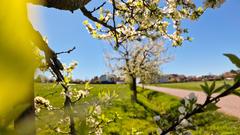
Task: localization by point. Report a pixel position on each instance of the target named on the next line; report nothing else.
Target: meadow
(190, 85)
(133, 117)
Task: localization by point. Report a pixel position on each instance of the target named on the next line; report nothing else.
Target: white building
(108, 78)
(164, 79)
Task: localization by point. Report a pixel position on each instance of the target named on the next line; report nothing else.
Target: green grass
(136, 116)
(189, 85)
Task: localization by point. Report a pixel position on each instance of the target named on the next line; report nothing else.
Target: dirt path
(229, 105)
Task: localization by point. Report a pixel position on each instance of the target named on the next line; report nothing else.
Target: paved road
(229, 105)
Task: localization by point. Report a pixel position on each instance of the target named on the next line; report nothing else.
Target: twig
(52, 93)
(89, 15)
(69, 51)
(114, 24)
(80, 97)
(95, 9)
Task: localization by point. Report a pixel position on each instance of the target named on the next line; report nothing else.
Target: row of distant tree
(44, 79)
(230, 75)
(112, 79)
(103, 79)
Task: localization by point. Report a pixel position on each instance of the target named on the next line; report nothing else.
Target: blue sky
(215, 33)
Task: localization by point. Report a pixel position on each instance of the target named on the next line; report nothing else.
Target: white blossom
(69, 94)
(159, 130)
(181, 117)
(82, 93)
(187, 133)
(156, 118)
(98, 109)
(182, 109)
(184, 123)
(192, 96)
(40, 102)
(58, 129)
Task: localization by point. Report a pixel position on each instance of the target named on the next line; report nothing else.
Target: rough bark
(70, 5)
(143, 88)
(133, 87)
(68, 110)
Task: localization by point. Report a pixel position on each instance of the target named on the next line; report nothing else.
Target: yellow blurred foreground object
(17, 63)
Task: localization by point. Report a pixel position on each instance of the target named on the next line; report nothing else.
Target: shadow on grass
(148, 109)
(152, 94)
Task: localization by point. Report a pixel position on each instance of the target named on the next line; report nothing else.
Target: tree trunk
(134, 89)
(68, 110)
(143, 88)
(25, 123)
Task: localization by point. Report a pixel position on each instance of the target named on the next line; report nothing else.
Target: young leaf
(234, 59)
(219, 89)
(212, 107)
(87, 86)
(227, 85)
(206, 88)
(212, 87)
(206, 84)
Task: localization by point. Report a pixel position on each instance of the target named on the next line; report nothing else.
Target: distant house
(78, 81)
(229, 75)
(209, 77)
(192, 78)
(108, 79)
(95, 80)
(164, 79)
(177, 78)
(120, 80)
(172, 78)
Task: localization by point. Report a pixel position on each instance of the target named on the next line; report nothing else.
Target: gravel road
(229, 105)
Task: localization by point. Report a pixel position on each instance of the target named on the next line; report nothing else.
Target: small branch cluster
(40, 102)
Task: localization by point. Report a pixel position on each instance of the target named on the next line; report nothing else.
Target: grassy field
(135, 116)
(190, 85)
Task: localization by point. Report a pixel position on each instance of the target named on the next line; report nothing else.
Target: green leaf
(219, 89)
(212, 87)
(99, 26)
(103, 117)
(189, 39)
(85, 22)
(206, 88)
(87, 86)
(234, 59)
(212, 107)
(206, 84)
(227, 86)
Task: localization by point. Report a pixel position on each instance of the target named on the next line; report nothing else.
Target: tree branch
(70, 5)
(89, 15)
(200, 108)
(68, 51)
(97, 8)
